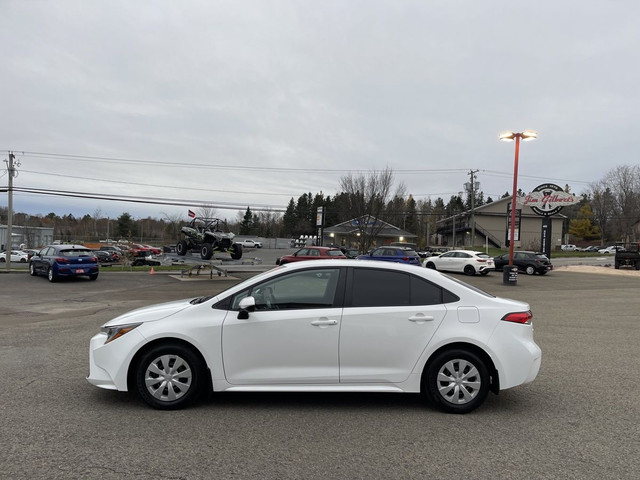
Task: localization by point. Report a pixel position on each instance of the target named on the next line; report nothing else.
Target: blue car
(393, 254)
(57, 261)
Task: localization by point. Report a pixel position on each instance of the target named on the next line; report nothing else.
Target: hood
(150, 313)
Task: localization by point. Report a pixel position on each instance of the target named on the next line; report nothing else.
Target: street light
(527, 135)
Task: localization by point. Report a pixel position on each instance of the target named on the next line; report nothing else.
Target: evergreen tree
(246, 226)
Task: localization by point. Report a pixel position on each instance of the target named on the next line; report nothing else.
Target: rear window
(75, 253)
(335, 253)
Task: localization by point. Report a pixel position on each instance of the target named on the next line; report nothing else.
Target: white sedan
(16, 256)
(466, 261)
(330, 326)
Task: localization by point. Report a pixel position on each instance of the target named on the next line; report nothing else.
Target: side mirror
(246, 305)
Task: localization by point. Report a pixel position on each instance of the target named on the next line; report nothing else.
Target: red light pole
(509, 137)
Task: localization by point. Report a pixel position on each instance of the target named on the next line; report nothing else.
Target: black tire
(469, 270)
(181, 247)
(431, 265)
(543, 272)
(22, 260)
(484, 272)
(530, 269)
(236, 251)
(206, 252)
(637, 265)
(93, 276)
(456, 381)
(51, 276)
(2, 260)
(184, 376)
(32, 270)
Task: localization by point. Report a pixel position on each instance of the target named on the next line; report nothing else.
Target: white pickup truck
(249, 244)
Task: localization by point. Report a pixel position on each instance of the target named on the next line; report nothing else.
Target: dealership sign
(548, 199)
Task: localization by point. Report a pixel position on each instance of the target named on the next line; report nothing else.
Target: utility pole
(8, 244)
(472, 191)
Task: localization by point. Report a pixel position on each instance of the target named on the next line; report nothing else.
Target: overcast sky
(250, 103)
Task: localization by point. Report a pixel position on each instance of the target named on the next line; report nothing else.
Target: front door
(291, 337)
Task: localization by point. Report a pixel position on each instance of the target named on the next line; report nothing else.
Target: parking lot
(579, 419)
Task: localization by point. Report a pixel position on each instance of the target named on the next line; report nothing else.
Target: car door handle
(421, 318)
(324, 323)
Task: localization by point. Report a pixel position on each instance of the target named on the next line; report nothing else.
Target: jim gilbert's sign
(548, 199)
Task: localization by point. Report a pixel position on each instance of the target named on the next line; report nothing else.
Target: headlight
(118, 330)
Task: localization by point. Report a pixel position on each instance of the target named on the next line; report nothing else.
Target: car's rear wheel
(457, 381)
(182, 247)
(206, 252)
(469, 270)
(169, 376)
(431, 265)
(530, 270)
(32, 270)
(93, 276)
(51, 276)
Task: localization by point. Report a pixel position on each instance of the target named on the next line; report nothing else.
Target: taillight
(61, 260)
(405, 259)
(481, 260)
(519, 317)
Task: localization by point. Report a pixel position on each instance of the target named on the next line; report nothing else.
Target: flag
(192, 214)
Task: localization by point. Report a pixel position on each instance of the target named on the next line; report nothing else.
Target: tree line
(609, 210)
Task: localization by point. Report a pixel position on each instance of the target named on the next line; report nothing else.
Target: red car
(311, 253)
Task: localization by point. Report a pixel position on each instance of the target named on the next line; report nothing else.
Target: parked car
(590, 248)
(392, 254)
(15, 256)
(466, 261)
(311, 253)
(568, 248)
(142, 256)
(58, 261)
(336, 325)
(350, 252)
(107, 257)
(249, 243)
(611, 250)
(528, 262)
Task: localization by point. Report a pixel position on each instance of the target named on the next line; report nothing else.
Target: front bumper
(109, 363)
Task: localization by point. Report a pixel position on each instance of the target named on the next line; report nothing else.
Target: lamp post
(509, 137)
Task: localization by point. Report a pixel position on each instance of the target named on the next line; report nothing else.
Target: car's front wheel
(206, 252)
(169, 376)
(32, 270)
(457, 381)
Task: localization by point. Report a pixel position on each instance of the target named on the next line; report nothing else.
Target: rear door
(388, 320)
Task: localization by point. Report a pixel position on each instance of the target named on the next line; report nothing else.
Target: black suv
(528, 262)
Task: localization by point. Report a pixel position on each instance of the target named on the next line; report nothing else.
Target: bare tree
(206, 211)
(621, 187)
(366, 199)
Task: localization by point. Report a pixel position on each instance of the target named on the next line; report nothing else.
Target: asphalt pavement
(578, 419)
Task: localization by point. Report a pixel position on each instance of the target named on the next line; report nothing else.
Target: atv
(206, 235)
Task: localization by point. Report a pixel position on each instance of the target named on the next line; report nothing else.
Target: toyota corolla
(331, 326)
